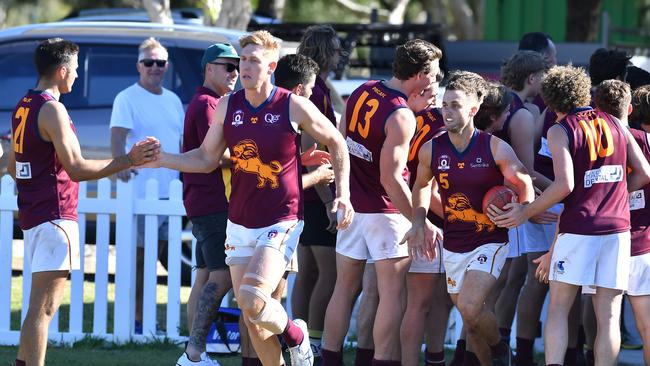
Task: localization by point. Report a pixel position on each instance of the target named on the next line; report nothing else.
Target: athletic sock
(470, 359)
(251, 361)
(505, 334)
(332, 358)
(376, 362)
(459, 353)
(20, 363)
(364, 356)
(570, 357)
(500, 349)
(292, 334)
(315, 338)
(434, 358)
(525, 351)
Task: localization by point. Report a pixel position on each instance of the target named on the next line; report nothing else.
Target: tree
(159, 11)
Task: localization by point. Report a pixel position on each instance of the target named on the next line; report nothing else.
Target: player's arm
(206, 157)
(640, 169)
(118, 145)
(399, 128)
(522, 133)
(563, 184)
(201, 125)
(314, 123)
(343, 124)
(54, 126)
(11, 162)
(316, 174)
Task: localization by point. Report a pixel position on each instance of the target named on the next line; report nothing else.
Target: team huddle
(391, 202)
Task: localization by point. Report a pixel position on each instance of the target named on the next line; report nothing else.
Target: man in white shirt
(146, 108)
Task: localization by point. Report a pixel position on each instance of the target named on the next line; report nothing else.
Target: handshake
(144, 152)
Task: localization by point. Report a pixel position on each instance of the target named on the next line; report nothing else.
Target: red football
(498, 196)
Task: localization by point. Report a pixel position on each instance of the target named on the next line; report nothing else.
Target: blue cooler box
(225, 326)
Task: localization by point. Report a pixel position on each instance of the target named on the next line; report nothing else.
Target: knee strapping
(272, 317)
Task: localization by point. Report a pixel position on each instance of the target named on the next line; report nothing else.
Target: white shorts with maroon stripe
(242, 241)
(592, 260)
(488, 258)
(53, 246)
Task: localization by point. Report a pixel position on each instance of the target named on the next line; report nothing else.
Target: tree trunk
(159, 11)
(271, 8)
(582, 20)
(211, 9)
(234, 14)
(397, 13)
(463, 24)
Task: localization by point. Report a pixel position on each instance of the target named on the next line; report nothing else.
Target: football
(498, 196)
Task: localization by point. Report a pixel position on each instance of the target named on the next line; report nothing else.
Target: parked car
(107, 64)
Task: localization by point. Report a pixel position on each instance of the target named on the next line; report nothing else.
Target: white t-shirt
(147, 114)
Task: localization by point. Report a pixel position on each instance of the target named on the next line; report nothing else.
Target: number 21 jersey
(367, 111)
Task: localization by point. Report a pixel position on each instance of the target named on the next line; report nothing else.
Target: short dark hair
(607, 64)
(495, 102)
(637, 77)
(413, 57)
(52, 54)
(613, 97)
(293, 70)
(468, 82)
(535, 41)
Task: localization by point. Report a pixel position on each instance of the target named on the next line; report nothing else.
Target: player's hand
(511, 216)
(414, 239)
(331, 216)
(432, 238)
(144, 151)
(325, 174)
(543, 267)
(342, 207)
(546, 218)
(313, 157)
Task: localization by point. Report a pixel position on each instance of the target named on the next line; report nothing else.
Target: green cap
(216, 51)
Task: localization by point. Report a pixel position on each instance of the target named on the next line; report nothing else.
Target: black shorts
(316, 222)
(210, 234)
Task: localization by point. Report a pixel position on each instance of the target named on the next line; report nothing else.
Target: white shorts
(53, 246)
(242, 241)
(592, 260)
(539, 237)
(639, 275)
(374, 236)
(488, 258)
(516, 240)
(423, 265)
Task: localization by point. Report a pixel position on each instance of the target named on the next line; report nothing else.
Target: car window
(188, 73)
(17, 72)
(109, 70)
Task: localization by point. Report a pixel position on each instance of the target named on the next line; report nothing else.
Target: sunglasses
(229, 67)
(149, 62)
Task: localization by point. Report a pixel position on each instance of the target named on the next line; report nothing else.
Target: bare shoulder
(221, 109)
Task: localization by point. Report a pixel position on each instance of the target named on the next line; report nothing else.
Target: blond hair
(148, 45)
(264, 39)
(565, 88)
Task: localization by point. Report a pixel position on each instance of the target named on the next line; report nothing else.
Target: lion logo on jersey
(459, 208)
(246, 157)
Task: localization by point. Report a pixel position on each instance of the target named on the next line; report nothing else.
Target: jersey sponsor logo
(443, 162)
(358, 150)
(559, 267)
(23, 170)
(459, 208)
(272, 234)
(604, 174)
(271, 118)
(482, 258)
(637, 200)
(479, 164)
(228, 247)
(461, 165)
(451, 282)
(253, 120)
(246, 158)
(238, 118)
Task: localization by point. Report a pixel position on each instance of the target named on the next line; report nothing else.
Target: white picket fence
(123, 205)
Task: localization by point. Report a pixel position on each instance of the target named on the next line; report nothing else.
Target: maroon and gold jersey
(598, 204)
(429, 124)
(367, 111)
(515, 106)
(265, 151)
(463, 179)
(321, 98)
(640, 204)
(543, 159)
(45, 190)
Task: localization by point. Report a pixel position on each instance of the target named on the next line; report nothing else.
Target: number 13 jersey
(45, 190)
(367, 111)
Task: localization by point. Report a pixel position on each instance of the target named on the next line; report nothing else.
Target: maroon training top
(463, 179)
(515, 105)
(45, 190)
(598, 204)
(265, 149)
(321, 98)
(367, 112)
(640, 204)
(203, 194)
